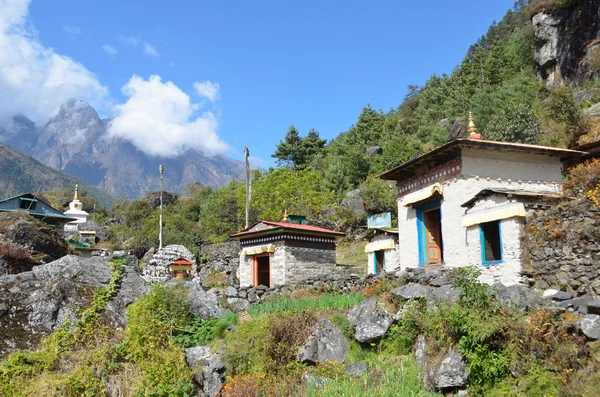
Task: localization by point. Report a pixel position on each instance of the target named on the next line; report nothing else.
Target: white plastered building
(465, 204)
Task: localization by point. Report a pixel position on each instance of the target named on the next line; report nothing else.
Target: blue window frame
(491, 243)
(422, 230)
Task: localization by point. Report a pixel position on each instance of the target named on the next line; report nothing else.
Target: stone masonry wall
(305, 263)
(563, 248)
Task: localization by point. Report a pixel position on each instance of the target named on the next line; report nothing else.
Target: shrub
(517, 122)
(582, 178)
(287, 333)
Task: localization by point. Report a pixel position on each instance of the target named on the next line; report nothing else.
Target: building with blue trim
(36, 208)
(465, 203)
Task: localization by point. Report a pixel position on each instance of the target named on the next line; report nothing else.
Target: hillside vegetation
(496, 81)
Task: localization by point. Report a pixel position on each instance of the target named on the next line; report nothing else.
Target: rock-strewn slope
(35, 303)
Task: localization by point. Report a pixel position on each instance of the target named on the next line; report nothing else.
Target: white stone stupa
(75, 211)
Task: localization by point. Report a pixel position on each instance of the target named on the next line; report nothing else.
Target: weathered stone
(446, 293)
(209, 371)
(119, 254)
(314, 380)
(445, 123)
(562, 296)
(354, 201)
(238, 304)
(593, 306)
(590, 326)
(370, 319)
(411, 291)
(374, 151)
(203, 304)
(578, 304)
(230, 292)
(517, 295)
(356, 369)
(39, 301)
(326, 343)
(447, 370)
(439, 281)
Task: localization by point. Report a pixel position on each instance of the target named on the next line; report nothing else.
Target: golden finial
(76, 197)
(472, 129)
(285, 217)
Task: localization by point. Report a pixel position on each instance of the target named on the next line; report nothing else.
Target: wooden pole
(160, 226)
(248, 186)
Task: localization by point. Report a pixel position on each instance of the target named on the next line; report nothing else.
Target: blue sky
(313, 64)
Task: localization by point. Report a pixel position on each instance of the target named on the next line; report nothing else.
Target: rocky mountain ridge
(77, 142)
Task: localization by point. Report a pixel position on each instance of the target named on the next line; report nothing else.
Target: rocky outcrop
(565, 41)
(209, 370)
(590, 326)
(26, 242)
(354, 201)
(326, 343)
(157, 268)
(446, 370)
(370, 319)
(203, 304)
(35, 303)
(458, 130)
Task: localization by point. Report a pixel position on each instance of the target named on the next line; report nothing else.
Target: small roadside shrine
(279, 253)
(382, 250)
(465, 203)
(180, 268)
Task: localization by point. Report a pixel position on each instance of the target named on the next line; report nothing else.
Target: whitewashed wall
(481, 170)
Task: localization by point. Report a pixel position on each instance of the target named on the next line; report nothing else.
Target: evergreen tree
(288, 151)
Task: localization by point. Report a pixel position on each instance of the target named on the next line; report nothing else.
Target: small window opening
(27, 204)
(491, 243)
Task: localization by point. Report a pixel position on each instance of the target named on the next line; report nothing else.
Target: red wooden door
(433, 232)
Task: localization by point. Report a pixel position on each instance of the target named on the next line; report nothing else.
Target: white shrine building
(465, 203)
(75, 211)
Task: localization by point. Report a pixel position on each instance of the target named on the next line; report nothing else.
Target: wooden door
(433, 236)
(262, 270)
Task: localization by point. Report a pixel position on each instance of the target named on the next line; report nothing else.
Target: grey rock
(517, 295)
(370, 319)
(158, 267)
(446, 293)
(203, 304)
(374, 151)
(593, 306)
(42, 299)
(230, 292)
(356, 369)
(354, 201)
(590, 326)
(561, 296)
(314, 380)
(444, 123)
(238, 304)
(593, 111)
(458, 130)
(411, 291)
(252, 297)
(209, 371)
(446, 371)
(439, 281)
(578, 304)
(119, 254)
(326, 343)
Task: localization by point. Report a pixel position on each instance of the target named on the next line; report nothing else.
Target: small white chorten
(75, 211)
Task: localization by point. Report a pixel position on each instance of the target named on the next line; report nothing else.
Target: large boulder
(209, 370)
(590, 326)
(37, 302)
(354, 201)
(326, 343)
(446, 370)
(516, 295)
(157, 268)
(370, 319)
(26, 242)
(202, 303)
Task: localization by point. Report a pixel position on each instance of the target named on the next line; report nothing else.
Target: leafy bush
(582, 178)
(517, 122)
(287, 332)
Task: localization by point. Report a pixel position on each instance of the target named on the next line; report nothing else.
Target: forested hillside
(497, 81)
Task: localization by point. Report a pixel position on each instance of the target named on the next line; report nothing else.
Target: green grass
(387, 376)
(357, 258)
(324, 302)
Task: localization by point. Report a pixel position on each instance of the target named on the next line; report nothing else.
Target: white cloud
(71, 31)
(136, 41)
(159, 119)
(110, 50)
(35, 80)
(208, 90)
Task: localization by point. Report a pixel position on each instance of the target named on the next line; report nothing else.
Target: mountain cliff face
(567, 43)
(76, 141)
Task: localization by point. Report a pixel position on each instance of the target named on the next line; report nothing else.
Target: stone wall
(223, 258)
(563, 248)
(307, 263)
